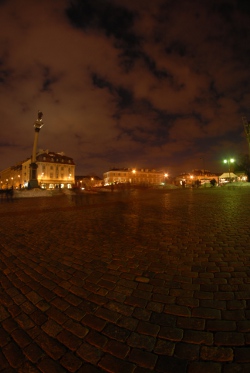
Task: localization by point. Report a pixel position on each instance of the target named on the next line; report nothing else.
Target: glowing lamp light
(229, 161)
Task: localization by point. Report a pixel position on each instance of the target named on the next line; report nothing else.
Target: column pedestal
(33, 182)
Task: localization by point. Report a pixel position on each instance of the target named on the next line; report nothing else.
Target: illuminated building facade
(88, 182)
(134, 176)
(54, 170)
(11, 177)
(200, 176)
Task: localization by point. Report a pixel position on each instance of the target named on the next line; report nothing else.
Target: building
(143, 177)
(88, 181)
(11, 177)
(196, 177)
(54, 170)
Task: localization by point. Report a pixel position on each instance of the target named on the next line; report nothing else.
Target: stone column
(33, 182)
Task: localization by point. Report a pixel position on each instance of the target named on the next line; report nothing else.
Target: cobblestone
(136, 281)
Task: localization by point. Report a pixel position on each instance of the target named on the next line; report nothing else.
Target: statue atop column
(39, 122)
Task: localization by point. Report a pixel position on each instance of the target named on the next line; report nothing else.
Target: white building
(54, 170)
(134, 176)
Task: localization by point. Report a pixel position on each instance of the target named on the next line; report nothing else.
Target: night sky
(126, 83)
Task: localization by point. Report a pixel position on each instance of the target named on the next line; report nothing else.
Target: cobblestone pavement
(132, 281)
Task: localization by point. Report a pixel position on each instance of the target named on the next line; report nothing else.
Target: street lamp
(229, 161)
(191, 179)
(41, 180)
(133, 179)
(165, 178)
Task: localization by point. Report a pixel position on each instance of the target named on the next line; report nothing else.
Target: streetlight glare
(228, 161)
(231, 160)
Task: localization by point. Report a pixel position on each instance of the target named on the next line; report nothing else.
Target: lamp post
(203, 165)
(41, 180)
(229, 161)
(191, 180)
(165, 178)
(134, 172)
(33, 183)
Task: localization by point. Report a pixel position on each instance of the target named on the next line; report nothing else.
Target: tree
(213, 182)
(243, 165)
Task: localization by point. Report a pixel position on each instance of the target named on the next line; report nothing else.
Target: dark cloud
(115, 21)
(49, 79)
(4, 75)
(122, 96)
